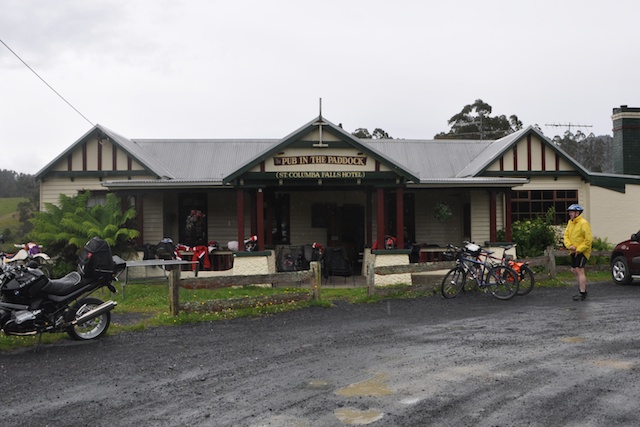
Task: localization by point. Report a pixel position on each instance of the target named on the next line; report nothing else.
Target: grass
(9, 214)
(148, 303)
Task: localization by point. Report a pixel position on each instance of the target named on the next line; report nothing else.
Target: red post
(260, 218)
(400, 217)
(380, 217)
(240, 215)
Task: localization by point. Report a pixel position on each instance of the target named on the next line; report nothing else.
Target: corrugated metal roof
(431, 158)
(213, 159)
(203, 159)
(490, 154)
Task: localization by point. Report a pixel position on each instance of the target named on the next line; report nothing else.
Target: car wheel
(620, 271)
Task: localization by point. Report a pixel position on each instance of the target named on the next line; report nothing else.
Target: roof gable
(319, 135)
(526, 152)
(148, 164)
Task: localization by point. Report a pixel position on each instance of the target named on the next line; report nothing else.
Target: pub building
(322, 185)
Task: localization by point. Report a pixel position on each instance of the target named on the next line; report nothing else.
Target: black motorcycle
(31, 303)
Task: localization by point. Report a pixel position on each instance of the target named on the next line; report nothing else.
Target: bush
(534, 236)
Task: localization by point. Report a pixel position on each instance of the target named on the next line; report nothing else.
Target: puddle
(616, 364)
(573, 339)
(319, 385)
(375, 386)
(410, 400)
(353, 416)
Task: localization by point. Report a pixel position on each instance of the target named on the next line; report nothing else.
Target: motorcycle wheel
(94, 328)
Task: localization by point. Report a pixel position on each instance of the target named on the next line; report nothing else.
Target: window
(409, 204)
(97, 198)
(534, 203)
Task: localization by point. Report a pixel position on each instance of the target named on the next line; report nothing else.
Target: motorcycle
(250, 244)
(29, 253)
(31, 303)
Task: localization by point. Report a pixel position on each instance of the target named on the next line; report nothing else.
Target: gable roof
(206, 162)
(150, 164)
(478, 165)
(338, 132)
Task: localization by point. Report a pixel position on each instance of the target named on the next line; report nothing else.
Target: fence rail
(548, 261)
(313, 275)
(175, 283)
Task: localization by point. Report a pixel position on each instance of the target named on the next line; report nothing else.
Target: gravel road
(536, 360)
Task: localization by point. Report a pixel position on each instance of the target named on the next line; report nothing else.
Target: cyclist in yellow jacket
(578, 239)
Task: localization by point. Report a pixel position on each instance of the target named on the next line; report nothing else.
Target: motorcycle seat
(63, 286)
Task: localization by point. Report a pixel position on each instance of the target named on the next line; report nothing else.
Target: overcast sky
(257, 69)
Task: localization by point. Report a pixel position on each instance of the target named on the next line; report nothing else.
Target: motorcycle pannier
(25, 285)
(95, 258)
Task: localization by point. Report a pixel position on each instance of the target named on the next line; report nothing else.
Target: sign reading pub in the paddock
(319, 175)
(320, 160)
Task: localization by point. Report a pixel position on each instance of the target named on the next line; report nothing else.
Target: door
(346, 229)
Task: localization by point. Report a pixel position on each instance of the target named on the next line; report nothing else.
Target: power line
(48, 85)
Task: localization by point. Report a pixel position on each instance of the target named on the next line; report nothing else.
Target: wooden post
(550, 265)
(371, 278)
(316, 280)
(174, 291)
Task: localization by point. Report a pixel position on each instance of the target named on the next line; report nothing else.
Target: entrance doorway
(346, 229)
(192, 217)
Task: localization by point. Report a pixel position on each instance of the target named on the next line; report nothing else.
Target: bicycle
(500, 280)
(526, 276)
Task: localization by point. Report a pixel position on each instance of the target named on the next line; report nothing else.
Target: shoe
(580, 296)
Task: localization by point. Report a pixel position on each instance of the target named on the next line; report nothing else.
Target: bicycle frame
(525, 273)
(501, 280)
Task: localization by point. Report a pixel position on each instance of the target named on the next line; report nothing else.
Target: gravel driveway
(537, 360)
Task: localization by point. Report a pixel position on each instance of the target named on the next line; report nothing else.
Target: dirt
(537, 360)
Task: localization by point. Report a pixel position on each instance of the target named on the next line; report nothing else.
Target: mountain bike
(526, 276)
(500, 280)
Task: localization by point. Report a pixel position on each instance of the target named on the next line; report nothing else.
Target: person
(578, 240)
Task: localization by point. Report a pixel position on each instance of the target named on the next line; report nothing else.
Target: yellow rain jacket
(578, 234)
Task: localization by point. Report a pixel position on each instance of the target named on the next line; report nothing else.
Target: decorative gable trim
(324, 136)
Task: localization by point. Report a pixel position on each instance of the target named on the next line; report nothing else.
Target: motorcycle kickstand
(39, 345)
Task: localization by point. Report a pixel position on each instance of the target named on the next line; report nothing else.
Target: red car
(625, 260)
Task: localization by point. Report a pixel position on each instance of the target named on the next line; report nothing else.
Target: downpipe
(101, 309)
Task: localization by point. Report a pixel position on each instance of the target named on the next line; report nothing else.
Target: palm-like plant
(70, 224)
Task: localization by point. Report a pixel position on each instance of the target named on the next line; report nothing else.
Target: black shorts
(578, 261)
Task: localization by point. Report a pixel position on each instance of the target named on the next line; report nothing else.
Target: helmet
(575, 207)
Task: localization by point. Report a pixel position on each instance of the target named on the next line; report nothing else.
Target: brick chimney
(626, 140)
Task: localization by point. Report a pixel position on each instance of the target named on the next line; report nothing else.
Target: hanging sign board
(320, 160)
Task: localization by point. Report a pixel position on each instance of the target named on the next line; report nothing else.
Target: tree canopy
(593, 152)
(377, 134)
(475, 122)
(14, 184)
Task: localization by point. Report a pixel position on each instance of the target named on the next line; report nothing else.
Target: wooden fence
(548, 261)
(314, 277)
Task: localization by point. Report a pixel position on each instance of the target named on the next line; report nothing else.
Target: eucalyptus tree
(474, 121)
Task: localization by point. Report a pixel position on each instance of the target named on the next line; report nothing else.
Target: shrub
(534, 236)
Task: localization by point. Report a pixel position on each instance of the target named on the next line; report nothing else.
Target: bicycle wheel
(502, 282)
(453, 282)
(526, 280)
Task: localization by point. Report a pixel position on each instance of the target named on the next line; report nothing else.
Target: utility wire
(48, 85)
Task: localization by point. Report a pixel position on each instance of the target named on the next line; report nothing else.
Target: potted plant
(442, 212)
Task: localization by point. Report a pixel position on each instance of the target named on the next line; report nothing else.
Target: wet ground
(537, 360)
